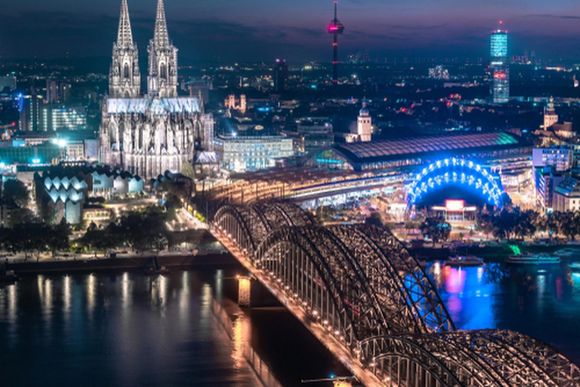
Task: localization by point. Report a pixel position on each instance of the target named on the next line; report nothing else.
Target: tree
(143, 230)
(58, 237)
(18, 215)
(29, 238)
(15, 194)
(101, 240)
(435, 228)
(568, 224)
(375, 220)
(525, 223)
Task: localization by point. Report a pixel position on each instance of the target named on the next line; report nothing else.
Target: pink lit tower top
(335, 28)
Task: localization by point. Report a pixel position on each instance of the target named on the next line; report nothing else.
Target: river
(129, 329)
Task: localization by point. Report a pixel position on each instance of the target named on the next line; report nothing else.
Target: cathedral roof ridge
(144, 105)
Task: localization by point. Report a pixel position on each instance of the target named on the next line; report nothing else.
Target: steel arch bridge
(456, 171)
(361, 293)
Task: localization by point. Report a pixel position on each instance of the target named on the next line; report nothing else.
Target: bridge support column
(251, 293)
(244, 291)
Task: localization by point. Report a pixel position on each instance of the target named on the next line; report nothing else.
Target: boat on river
(465, 260)
(534, 259)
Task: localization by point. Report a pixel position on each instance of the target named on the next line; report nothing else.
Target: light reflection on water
(542, 302)
(139, 330)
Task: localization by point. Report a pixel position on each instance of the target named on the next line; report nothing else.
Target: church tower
(364, 126)
(162, 80)
(124, 76)
(550, 115)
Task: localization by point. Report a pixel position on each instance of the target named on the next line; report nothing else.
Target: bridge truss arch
(366, 293)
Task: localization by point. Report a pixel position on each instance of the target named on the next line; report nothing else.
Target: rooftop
(569, 187)
(394, 149)
(153, 105)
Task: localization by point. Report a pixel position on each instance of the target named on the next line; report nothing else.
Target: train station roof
(413, 147)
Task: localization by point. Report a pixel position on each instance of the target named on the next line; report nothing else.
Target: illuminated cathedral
(158, 131)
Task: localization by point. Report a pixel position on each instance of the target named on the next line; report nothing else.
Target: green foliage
(140, 231)
(101, 240)
(35, 237)
(375, 220)
(15, 194)
(514, 223)
(437, 229)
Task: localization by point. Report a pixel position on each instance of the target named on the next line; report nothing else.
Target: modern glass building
(499, 51)
(252, 152)
(499, 44)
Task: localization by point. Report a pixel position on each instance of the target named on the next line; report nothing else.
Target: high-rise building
(57, 91)
(499, 51)
(149, 135)
(58, 117)
(550, 115)
(280, 75)
(30, 112)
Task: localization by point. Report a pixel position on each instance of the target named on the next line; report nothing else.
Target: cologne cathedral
(159, 131)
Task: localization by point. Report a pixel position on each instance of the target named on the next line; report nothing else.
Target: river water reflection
(543, 302)
(128, 329)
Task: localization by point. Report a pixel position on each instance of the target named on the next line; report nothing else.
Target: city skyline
(260, 30)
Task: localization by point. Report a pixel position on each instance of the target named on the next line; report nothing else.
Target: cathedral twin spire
(161, 36)
(125, 78)
(125, 35)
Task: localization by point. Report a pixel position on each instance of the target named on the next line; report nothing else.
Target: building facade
(500, 87)
(364, 127)
(567, 195)
(550, 115)
(159, 131)
(243, 153)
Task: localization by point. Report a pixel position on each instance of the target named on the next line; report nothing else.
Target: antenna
(335, 28)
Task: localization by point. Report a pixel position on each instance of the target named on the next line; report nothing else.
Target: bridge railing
(325, 276)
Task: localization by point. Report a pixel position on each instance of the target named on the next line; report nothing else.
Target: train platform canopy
(416, 150)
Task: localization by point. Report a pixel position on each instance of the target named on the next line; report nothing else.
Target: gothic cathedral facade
(159, 131)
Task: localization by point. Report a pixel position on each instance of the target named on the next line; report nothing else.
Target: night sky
(249, 30)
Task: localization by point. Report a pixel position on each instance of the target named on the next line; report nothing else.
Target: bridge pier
(251, 293)
(244, 291)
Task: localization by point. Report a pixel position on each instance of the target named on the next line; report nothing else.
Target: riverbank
(497, 253)
(134, 263)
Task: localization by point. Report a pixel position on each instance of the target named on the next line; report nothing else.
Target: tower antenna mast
(335, 28)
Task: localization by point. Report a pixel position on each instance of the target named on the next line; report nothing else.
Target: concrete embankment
(120, 263)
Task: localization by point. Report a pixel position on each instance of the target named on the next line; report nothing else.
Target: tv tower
(335, 28)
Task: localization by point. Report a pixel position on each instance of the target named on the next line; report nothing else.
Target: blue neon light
(456, 171)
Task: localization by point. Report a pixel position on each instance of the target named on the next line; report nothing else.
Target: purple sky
(262, 29)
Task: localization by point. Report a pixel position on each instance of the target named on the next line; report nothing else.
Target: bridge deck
(363, 375)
